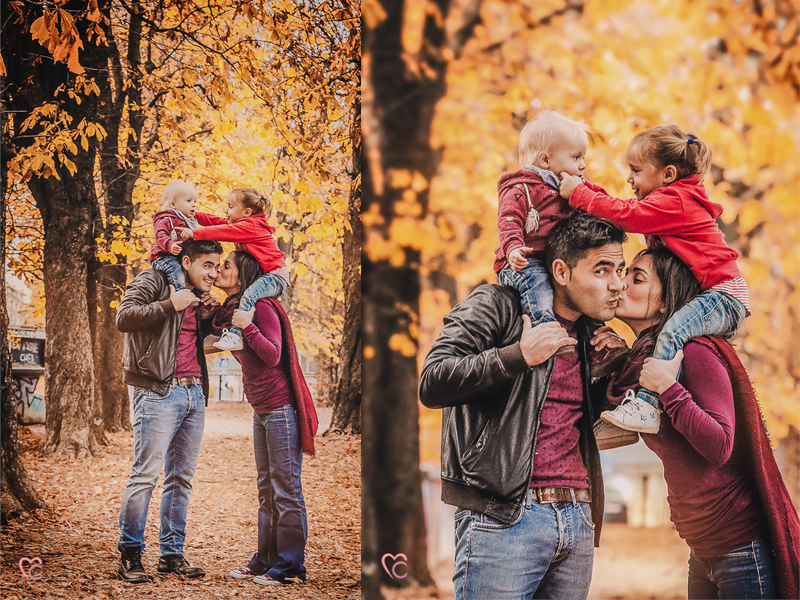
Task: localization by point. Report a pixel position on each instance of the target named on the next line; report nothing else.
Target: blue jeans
(546, 553)
(166, 430)
(171, 267)
(746, 572)
(282, 520)
(708, 313)
(533, 285)
(266, 286)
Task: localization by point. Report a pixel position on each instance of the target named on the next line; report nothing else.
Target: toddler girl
(247, 226)
(672, 209)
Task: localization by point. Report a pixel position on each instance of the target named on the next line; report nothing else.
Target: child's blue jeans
(268, 285)
(709, 313)
(171, 267)
(533, 285)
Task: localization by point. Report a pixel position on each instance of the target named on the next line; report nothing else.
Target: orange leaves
(56, 30)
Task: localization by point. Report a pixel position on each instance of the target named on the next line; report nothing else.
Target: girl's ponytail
(668, 145)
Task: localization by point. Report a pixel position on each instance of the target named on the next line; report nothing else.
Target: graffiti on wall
(30, 407)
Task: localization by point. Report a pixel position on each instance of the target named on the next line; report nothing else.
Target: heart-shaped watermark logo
(393, 571)
(33, 563)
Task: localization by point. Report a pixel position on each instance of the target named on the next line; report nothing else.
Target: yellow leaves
(751, 214)
(40, 31)
(300, 270)
(403, 344)
(372, 12)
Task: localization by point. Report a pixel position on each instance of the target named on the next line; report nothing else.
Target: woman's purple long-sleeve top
(713, 500)
(266, 381)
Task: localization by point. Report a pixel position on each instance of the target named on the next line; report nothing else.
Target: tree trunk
(66, 208)
(347, 397)
(18, 494)
(67, 203)
(398, 117)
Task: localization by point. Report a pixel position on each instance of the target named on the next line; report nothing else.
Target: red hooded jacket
(252, 234)
(164, 223)
(512, 213)
(679, 217)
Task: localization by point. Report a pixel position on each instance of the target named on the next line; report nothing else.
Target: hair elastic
(690, 140)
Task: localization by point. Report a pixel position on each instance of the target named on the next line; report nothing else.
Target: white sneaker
(229, 341)
(634, 414)
(242, 573)
(265, 580)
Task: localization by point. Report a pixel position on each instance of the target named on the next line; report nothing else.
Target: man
(163, 359)
(519, 458)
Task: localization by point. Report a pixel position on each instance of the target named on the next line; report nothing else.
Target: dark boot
(175, 563)
(131, 569)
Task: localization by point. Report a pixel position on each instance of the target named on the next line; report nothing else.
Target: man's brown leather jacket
(493, 404)
(152, 325)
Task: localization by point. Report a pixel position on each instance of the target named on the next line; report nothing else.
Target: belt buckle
(540, 496)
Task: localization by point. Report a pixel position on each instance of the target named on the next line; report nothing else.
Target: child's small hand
(175, 248)
(517, 259)
(568, 184)
(659, 375)
(242, 318)
(185, 232)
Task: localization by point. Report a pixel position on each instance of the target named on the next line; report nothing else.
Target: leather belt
(179, 381)
(549, 495)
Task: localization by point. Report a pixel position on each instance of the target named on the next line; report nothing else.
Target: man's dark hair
(195, 248)
(572, 238)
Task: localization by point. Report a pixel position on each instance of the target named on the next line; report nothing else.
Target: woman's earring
(662, 309)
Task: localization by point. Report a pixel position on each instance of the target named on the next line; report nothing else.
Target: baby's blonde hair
(542, 132)
(251, 198)
(667, 145)
(172, 189)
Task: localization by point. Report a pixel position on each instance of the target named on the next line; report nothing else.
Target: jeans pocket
(153, 396)
(586, 514)
(484, 522)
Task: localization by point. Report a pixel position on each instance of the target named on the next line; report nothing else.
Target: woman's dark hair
(249, 270)
(678, 284)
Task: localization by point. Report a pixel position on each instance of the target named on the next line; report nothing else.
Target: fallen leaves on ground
(78, 548)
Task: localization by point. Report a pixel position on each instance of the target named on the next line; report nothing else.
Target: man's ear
(561, 272)
(186, 263)
(670, 174)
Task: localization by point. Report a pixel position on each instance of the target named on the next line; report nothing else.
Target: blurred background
(447, 87)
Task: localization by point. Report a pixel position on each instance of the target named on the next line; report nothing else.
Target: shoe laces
(627, 404)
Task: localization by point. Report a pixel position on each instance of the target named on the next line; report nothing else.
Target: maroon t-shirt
(264, 375)
(187, 365)
(714, 503)
(557, 460)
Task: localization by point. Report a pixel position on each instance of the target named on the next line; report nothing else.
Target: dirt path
(79, 550)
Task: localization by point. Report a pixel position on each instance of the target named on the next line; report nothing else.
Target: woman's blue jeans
(546, 553)
(166, 430)
(746, 572)
(282, 520)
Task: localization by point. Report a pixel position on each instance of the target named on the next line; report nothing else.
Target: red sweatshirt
(164, 223)
(679, 217)
(252, 234)
(512, 213)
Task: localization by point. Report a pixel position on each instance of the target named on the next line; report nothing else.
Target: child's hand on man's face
(516, 258)
(568, 184)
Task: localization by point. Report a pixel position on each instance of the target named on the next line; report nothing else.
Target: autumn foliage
(727, 71)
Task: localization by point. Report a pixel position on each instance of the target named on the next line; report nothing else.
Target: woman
(727, 498)
(284, 423)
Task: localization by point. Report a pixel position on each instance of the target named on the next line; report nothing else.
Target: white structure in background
(225, 377)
